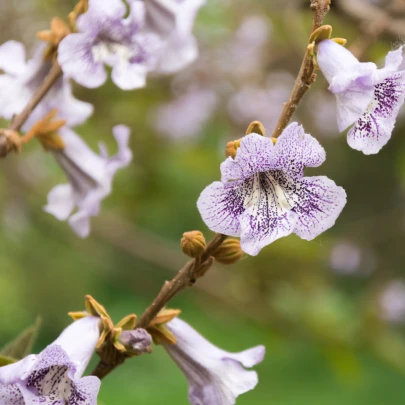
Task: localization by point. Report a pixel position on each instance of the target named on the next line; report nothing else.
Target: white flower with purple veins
(105, 37)
(54, 377)
(264, 195)
(215, 377)
(367, 97)
(22, 78)
(173, 21)
(90, 178)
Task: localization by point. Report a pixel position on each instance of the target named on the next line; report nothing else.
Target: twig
(40, 93)
(306, 75)
(186, 277)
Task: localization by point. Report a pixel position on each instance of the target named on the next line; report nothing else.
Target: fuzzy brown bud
(229, 252)
(193, 243)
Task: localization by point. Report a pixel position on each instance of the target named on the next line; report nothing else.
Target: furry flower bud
(193, 243)
(229, 252)
(136, 341)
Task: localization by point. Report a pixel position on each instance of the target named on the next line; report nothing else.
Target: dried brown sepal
(10, 141)
(164, 316)
(229, 252)
(115, 340)
(80, 8)
(193, 243)
(256, 127)
(78, 315)
(108, 328)
(340, 41)
(321, 33)
(59, 30)
(160, 334)
(127, 323)
(95, 308)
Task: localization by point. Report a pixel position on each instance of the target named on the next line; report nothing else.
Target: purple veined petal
(60, 202)
(221, 207)
(215, 377)
(11, 395)
(295, 150)
(84, 391)
(268, 215)
(374, 128)
(254, 155)
(12, 373)
(320, 203)
(79, 341)
(129, 76)
(12, 58)
(77, 61)
(100, 13)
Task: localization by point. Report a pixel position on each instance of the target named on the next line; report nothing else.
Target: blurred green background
(331, 312)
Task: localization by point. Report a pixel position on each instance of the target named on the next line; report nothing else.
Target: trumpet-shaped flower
(90, 178)
(264, 195)
(54, 377)
(173, 21)
(368, 97)
(215, 377)
(22, 78)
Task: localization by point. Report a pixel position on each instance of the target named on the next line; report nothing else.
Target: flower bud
(257, 128)
(137, 341)
(229, 252)
(193, 243)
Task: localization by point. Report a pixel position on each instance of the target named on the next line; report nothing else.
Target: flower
(90, 177)
(55, 375)
(215, 377)
(264, 196)
(106, 37)
(172, 21)
(21, 80)
(392, 302)
(367, 97)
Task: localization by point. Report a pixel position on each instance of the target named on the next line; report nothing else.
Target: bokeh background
(331, 312)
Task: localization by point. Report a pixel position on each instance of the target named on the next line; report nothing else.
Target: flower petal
(319, 204)
(60, 202)
(124, 155)
(77, 61)
(268, 215)
(129, 76)
(374, 129)
(295, 149)
(254, 155)
(80, 223)
(11, 395)
(12, 58)
(221, 207)
(84, 391)
(12, 373)
(79, 341)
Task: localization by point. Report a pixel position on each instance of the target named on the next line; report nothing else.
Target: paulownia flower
(22, 78)
(215, 377)
(54, 377)
(173, 21)
(367, 97)
(264, 195)
(90, 178)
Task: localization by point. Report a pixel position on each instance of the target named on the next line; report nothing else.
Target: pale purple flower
(173, 21)
(367, 97)
(90, 178)
(105, 37)
(54, 377)
(22, 78)
(215, 377)
(185, 116)
(392, 302)
(264, 195)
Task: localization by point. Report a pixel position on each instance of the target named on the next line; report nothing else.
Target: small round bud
(137, 341)
(193, 243)
(229, 252)
(257, 128)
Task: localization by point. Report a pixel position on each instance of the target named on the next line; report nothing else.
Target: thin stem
(186, 277)
(53, 75)
(306, 75)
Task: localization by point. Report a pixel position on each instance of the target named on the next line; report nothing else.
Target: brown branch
(19, 120)
(186, 277)
(306, 75)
